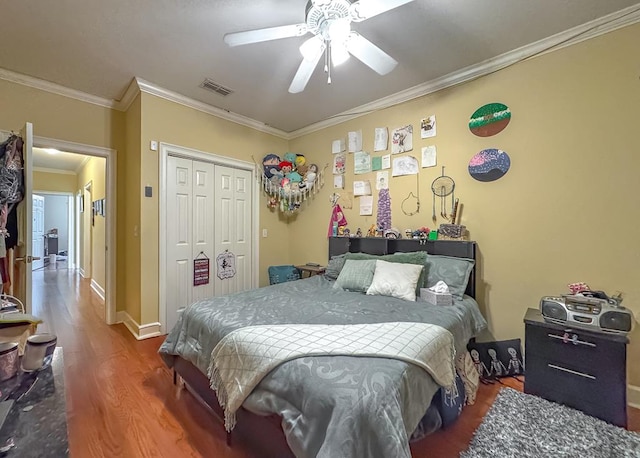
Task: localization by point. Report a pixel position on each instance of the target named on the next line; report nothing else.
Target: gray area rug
(522, 425)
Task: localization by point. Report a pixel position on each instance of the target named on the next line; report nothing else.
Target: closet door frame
(166, 150)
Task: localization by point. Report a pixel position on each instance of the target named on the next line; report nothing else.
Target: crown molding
(83, 163)
(50, 170)
(166, 94)
(54, 88)
(600, 26)
(129, 96)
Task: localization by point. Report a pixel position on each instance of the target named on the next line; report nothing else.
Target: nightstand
(310, 270)
(579, 368)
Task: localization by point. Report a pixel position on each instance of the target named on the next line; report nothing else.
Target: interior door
(233, 224)
(38, 241)
(22, 256)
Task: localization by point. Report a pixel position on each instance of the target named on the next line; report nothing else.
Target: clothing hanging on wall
(11, 194)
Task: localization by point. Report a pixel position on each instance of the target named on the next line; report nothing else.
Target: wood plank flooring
(121, 401)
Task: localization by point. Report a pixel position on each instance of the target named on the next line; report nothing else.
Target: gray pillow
(411, 257)
(334, 267)
(453, 271)
(356, 275)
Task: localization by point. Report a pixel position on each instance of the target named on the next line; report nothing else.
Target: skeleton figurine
(497, 368)
(515, 365)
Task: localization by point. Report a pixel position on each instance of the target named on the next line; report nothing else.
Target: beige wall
(169, 122)
(129, 225)
(565, 212)
(54, 182)
(93, 172)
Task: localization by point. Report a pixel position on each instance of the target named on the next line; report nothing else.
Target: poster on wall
(405, 165)
(354, 141)
(489, 119)
(339, 163)
(361, 162)
(428, 127)
(402, 139)
(226, 262)
(429, 156)
(381, 140)
(489, 165)
(382, 180)
(337, 146)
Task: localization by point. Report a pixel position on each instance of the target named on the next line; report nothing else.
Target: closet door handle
(27, 259)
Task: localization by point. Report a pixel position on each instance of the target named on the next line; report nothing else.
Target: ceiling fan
(330, 23)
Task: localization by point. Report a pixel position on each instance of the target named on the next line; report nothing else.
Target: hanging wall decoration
(489, 165)
(226, 262)
(289, 181)
(201, 269)
(442, 187)
(489, 119)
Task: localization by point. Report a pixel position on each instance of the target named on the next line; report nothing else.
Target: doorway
(54, 231)
(83, 207)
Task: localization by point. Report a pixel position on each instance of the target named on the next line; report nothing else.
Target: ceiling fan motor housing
(321, 13)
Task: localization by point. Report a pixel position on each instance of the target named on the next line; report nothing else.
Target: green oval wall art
(489, 165)
(489, 119)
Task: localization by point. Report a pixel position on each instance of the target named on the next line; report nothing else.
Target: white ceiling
(45, 158)
(98, 46)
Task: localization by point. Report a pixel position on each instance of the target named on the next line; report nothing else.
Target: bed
(325, 405)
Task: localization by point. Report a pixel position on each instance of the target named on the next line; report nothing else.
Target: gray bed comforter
(330, 406)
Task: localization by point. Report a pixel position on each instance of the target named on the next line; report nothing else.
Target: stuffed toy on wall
(270, 164)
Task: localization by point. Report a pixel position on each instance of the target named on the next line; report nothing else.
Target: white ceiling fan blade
(370, 55)
(308, 65)
(271, 33)
(364, 9)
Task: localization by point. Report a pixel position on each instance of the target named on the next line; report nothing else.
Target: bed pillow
(453, 271)
(356, 275)
(395, 279)
(335, 265)
(413, 257)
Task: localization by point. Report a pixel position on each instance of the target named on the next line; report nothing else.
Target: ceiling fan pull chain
(328, 52)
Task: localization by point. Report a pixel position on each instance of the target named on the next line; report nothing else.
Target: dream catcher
(442, 187)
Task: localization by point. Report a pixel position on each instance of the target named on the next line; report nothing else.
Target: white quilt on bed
(243, 357)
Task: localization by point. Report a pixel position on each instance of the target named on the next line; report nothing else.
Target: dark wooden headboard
(379, 246)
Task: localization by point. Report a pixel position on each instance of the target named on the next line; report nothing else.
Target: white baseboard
(633, 396)
(97, 288)
(81, 272)
(139, 331)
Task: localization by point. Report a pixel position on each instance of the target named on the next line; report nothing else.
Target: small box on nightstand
(435, 298)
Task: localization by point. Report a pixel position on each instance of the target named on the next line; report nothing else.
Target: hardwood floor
(121, 400)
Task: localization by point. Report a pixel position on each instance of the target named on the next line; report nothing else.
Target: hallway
(120, 398)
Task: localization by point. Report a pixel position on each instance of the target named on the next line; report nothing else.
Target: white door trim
(111, 195)
(167, 150)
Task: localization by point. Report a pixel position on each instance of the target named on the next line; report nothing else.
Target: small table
(310, 270)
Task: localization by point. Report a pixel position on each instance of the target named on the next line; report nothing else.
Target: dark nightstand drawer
(577, 350)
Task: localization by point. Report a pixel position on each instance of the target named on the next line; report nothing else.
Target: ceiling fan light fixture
(312, 48)
(339, 53)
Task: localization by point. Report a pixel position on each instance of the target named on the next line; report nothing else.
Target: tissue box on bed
(435, 298)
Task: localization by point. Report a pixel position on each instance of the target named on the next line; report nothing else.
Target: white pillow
(395, 279)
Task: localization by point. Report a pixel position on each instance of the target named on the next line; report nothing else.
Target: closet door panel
(202, 229)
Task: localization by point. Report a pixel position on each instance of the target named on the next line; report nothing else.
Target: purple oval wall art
(489, 165)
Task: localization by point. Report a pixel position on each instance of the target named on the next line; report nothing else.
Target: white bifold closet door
(208, 212)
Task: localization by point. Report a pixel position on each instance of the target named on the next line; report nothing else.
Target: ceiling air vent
(215, 87)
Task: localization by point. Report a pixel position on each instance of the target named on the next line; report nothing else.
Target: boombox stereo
(587, 313)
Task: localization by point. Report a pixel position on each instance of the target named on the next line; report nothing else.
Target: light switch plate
(148, 191)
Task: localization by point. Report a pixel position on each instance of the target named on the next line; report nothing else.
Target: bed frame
(263, 434)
